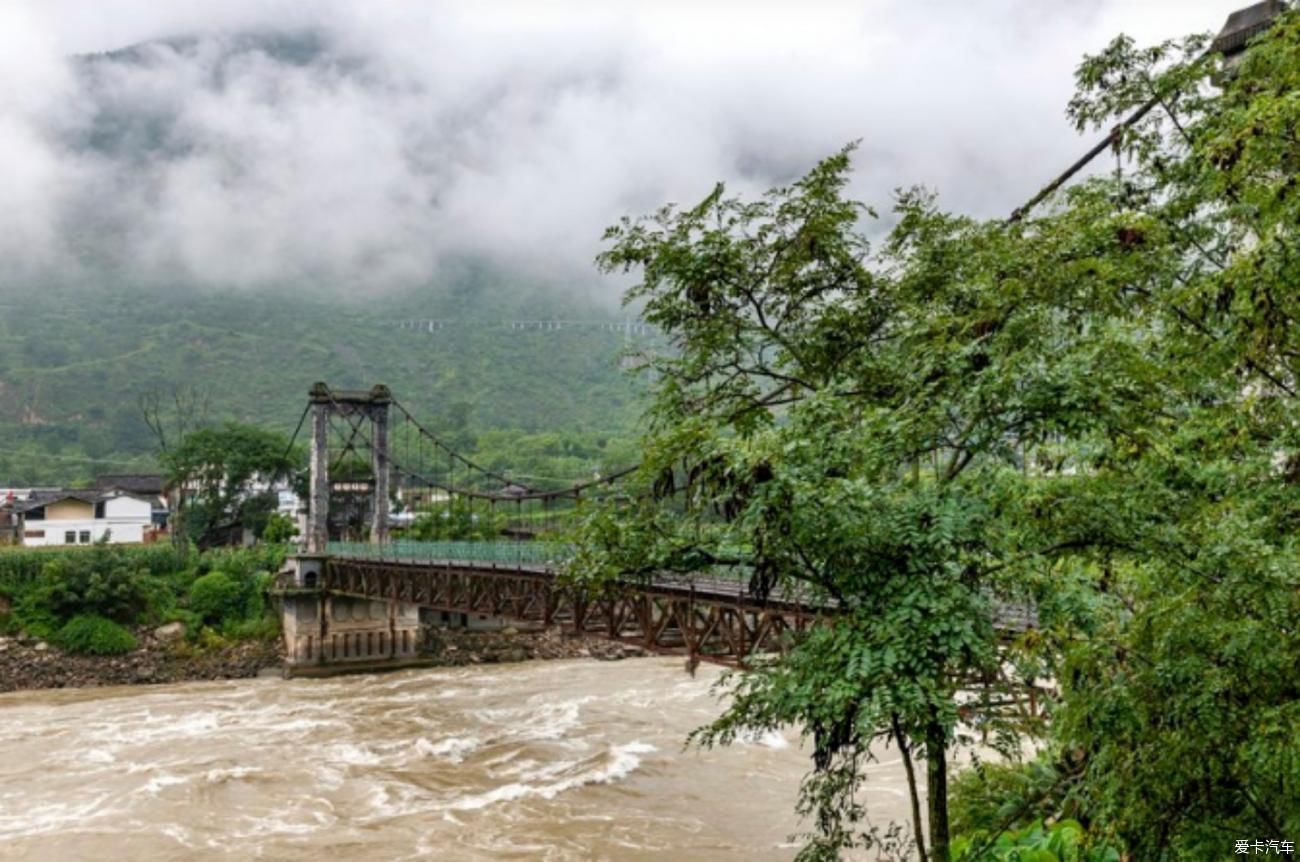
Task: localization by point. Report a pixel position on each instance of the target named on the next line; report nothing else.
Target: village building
(121, 509)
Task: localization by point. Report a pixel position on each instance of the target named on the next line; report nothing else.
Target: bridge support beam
(379, 465)
(318, 501)
(357, 409)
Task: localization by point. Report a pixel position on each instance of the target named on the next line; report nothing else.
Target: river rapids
(551, 761)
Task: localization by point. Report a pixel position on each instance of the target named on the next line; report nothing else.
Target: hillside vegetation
(74, 363)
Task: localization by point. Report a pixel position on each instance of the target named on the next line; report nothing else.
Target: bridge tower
(357, 409)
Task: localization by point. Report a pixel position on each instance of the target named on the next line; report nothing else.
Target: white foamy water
(552, 761)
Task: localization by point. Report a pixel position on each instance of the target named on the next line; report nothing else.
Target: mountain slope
(74, 364)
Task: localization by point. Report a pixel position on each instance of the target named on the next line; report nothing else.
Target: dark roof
(44, 498)
(137, 483)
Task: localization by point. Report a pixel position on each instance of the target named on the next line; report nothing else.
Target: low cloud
(359, 146)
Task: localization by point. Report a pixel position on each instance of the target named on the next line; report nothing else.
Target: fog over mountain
(361, 145)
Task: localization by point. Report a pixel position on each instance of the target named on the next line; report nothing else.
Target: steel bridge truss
(716, 622)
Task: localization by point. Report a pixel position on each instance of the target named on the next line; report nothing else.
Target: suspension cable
(294, 438)
(450, 451)
(468, 491)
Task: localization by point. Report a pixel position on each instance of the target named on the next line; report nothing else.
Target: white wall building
(82, 518)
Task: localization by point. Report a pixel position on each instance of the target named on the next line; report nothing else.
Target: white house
(82, 517)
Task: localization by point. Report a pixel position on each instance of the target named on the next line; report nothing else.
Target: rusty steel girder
(715, 622)
(705, 620)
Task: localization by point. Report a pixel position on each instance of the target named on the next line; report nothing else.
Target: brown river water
(554, 761)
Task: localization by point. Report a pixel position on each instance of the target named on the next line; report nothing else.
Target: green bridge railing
(502, 553)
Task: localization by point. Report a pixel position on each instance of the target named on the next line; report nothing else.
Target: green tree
(218, 597)
(858, 420)
(280, 529)
(223, 474)
(101, 583)
(1093, 408)
(1183, 696)
(459, 521)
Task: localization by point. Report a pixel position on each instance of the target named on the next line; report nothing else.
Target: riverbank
(28, 664)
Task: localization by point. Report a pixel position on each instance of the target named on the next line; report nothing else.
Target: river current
(554, 761)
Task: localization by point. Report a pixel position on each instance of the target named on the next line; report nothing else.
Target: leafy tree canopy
(223, 474)
(1093, 409)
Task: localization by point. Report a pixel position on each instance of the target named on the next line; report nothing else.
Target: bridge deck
(707, 618)
(710, 616)
(545, 559)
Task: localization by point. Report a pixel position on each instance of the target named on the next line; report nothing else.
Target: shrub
(8, 624)
(990, 793)
(134, 585)
(24, 565)
(95, 635)
(264, 628)
(210, 640)
(1034, 805)
(21, 565)
(243, 563)
(34, 617)
(103, 583)
(217, 597)
(255, 608)
(1064, 841)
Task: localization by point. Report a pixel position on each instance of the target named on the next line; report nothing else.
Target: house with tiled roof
(48, 517)
(145, 484)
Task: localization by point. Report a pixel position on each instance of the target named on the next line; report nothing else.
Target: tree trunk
(918, 826)
(936, 767)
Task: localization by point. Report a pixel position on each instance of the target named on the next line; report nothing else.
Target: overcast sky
(516, 131)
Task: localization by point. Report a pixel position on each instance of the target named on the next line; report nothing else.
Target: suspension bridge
(355, 593)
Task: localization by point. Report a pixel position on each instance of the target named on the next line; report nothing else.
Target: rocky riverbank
(164, 657)
(29, 664)
(451, 646)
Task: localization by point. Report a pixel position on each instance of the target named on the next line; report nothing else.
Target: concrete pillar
(318, 501)
(325, 633)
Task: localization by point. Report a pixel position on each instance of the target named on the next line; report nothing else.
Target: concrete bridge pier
(326, 632)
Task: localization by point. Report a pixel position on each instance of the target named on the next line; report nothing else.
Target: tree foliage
(1188, 705)
(126, 586)
(217, 596)
(1092, 409)
(457, 519)
(224, 474)
(100, 583)
(280, 529)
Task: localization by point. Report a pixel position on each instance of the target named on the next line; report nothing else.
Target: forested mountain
(139, 300)
(75, 362)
